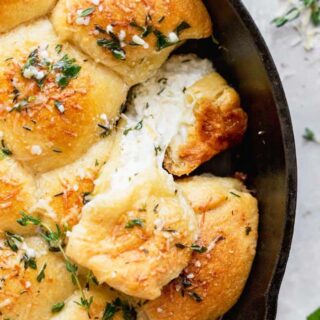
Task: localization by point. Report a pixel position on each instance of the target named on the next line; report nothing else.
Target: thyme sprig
(55, 240)
(295, 12)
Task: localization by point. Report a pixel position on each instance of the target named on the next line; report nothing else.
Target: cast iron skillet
(267, 154)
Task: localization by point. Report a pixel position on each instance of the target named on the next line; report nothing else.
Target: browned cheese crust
(213, 280)
(219, 124)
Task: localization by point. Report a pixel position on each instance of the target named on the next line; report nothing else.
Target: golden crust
(219, 124)
(228, 218)
(21, 294)
(17, 193)
(15, 12)
(135, 259)
(140, 61)
(62, 193)
(47, 126)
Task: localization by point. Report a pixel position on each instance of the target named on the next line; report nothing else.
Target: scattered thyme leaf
(134, 223)
(57, 307)
(42, 274)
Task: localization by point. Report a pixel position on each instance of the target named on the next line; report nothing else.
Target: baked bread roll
(55, 101)
(213, 281)
(15, 12)
(17, 193)
(133, 38)
(219, 124)
(62, 193)
(24, 292)
(127, 236)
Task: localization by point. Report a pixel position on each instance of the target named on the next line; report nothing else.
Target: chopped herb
(194, 296)
(291, 15)
(57, 150)
(100, 29)
(117, 305)
(58, 48)
(11, 241)
(105, 130)
(27, 128)
(41, 274)
(162, 41)
(186, 283)
(57, 307)
(68, 70)
(139, 125)
(295, 12)
(180, 246)
(114, 45)
(59, 194)
(4, 150)
(29, 262)
(87, 12)
(235, 194)
(184, 89)
(16, 94)
(163, 81)
(91, 278)
(159, 93)
(157, 150)
(96, 163)
(28, 220)
(8, 59)
(181, 27)
(134, 223)
(199, 249)
(309, 135)
(248, 230)
(161, 19)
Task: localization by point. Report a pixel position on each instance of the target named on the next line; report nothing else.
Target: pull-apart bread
(96, 124)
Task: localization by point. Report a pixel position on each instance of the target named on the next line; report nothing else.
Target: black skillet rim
(289, 154)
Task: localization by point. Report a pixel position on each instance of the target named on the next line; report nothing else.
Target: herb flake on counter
(309, 135)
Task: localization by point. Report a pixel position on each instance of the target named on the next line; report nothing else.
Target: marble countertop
(299, 69)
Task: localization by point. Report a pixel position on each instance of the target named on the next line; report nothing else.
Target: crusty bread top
(15, 12)
(213, 281)
(133, 38)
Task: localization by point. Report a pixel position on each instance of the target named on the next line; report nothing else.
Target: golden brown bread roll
(133, 38)
(127, 236)
(22, 294)
(55, 102)
(62, 193)
(15, 12)
(17, 193)
(219, 124)
(213, 280)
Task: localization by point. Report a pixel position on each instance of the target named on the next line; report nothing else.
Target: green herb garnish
(11, 241)
(199, 249)
(67, 70)
(117, 305)
(86, 12)
(114, 45)
(57, 307)
(309, 135)
(55, 240)
(41, 274)
(134, 223)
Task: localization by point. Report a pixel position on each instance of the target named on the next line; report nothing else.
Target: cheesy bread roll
(54, 102)
(128, 236)
(33, 279)
(133, 38)
(17, 193)
(106, 305)
(217, 272)
(62, 193)
(15, 12)
(219, 123)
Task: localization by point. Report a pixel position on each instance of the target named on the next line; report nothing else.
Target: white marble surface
(300, 70)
